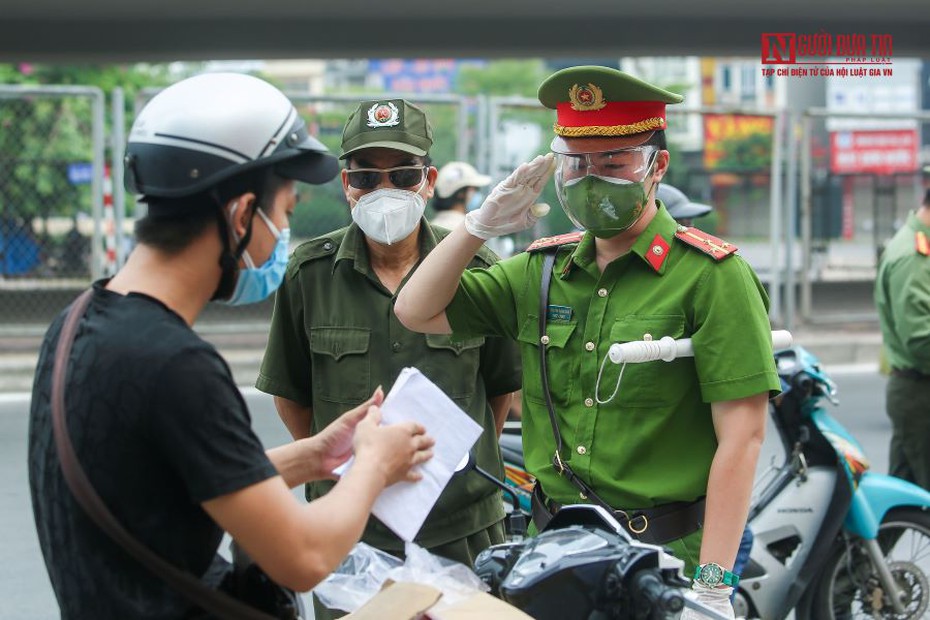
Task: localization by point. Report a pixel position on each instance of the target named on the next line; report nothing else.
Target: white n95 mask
(388, 215)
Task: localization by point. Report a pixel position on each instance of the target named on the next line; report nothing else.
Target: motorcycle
(833, 540)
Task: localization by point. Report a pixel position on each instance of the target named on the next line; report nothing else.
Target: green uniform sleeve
(285, 369)
(909, 284)
(500, 366)
(484, 303)
(732, 338)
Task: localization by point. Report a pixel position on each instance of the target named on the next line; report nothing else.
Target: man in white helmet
(155, 418)
(458, 190)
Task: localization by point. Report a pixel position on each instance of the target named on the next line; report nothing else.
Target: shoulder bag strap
(560, 466)
(213, 601)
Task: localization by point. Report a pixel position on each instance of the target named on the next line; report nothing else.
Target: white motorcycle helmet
(205, 129)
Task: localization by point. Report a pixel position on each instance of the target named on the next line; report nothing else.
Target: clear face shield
(604, 192)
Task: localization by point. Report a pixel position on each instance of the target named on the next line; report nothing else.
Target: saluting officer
(670, 447)
(902, 293)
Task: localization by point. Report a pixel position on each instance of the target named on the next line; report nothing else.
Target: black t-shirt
(159, 427)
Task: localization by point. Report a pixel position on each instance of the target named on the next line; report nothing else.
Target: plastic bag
(357, 579)
(363, 573)
(455, 580)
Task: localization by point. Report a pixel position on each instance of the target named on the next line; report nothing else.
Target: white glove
(717, 599)
(511, 206)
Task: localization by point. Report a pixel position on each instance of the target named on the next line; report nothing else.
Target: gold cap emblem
(586, 98)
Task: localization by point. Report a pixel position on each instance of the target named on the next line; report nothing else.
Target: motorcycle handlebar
(668, 349)
(662, 598)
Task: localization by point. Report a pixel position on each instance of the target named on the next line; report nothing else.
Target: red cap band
(613, 114)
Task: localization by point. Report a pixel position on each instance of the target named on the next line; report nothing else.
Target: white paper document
(403, 507)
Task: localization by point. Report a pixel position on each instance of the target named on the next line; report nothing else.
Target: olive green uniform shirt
(654, 441)
(334, 338)
(902, 294)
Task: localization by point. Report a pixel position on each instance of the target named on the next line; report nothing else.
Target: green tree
(502, 77)
(752, 152)
(41, 136)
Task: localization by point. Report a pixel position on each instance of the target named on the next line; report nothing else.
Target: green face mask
(603, 205)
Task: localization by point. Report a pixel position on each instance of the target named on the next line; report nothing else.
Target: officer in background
(458, 188)
(334, 337)
(649, 441)
(457, 192)
(679, 206)
(902, 294)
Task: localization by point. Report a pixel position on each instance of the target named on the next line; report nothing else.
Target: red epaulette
(718, 249)
(551, 242)
(922, 244)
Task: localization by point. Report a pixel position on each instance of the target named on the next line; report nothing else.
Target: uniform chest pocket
(648, 384)
(453, 364)
(340, 363)
(559, 360)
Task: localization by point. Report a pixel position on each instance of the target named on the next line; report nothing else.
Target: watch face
(711, 575)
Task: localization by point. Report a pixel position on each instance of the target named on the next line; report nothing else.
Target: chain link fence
(51, 181)
(788, 189)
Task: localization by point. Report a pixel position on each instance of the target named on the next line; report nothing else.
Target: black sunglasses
(400, 176)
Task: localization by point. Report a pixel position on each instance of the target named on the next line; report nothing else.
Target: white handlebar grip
(642, 351)
(781, 339)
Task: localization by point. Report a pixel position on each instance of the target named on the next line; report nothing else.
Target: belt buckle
(633, 528)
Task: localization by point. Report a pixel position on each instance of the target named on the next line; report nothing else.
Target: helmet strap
(229, 258)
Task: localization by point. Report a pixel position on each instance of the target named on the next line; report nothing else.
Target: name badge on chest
(559, 313)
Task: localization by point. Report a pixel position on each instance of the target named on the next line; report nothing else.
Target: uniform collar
(353, 246)
(654, 243)
(658, 234)
(916, 224)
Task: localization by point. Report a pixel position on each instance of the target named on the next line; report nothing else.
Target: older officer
(334, 336)
(671, 447)
(902, 293)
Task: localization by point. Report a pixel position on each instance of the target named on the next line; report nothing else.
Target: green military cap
(600, 102)
(387, 123)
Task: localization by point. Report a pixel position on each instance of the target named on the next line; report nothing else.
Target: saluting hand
(511, 206)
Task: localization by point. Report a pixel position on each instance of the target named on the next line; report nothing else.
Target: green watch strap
(713, 575)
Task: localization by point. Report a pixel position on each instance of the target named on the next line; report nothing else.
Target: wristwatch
(713, 575)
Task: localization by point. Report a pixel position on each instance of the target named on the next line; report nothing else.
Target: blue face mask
(475, 201)
(256, 283)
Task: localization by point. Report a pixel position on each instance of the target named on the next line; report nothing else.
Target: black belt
(910, 373)
(657, 525)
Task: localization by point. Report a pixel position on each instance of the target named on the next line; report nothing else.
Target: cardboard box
(413, 601)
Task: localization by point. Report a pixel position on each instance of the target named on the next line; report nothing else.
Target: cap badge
(586, 98)
(383, 115)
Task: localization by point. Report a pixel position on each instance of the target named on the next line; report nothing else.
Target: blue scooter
(833, 540)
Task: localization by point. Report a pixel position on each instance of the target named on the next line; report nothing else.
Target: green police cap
(388, 123)
(600, 102)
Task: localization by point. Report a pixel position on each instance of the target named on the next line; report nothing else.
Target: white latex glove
(717, 599)
(511, 205)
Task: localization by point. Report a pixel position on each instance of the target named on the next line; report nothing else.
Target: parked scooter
(833, 540)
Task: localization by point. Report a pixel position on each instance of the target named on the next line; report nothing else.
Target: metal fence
(807, 229)
(852, 199)
(51, 195)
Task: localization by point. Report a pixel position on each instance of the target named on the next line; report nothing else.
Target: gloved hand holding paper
(403, 507)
